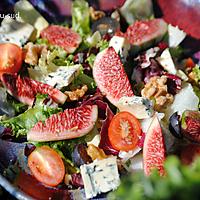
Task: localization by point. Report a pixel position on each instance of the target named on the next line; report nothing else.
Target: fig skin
(189, 153)
(190, 125)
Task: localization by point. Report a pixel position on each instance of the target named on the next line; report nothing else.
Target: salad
(105, 106)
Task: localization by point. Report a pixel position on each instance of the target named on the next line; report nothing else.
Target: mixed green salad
(104, 107)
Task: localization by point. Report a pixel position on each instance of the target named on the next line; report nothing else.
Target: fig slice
(72, 123)
(153, 149)
(184, 14)
(110, 76)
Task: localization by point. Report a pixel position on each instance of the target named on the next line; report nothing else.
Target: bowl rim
(14, 190)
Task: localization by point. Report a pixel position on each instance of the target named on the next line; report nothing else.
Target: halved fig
(190, 124)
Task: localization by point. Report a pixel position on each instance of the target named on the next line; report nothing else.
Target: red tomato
(190, 63)
(10, 58)
(46, 166)
(124, 131)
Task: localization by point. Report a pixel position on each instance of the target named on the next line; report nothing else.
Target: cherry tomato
(10, 58)
(46, 166)
(124, 131)
(190, 63)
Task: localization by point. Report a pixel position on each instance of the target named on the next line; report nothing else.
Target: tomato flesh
(46, 166)
(124, 131)
(11, 57)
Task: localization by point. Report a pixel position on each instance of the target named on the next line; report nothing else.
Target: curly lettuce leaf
(83, 79)
(81, 17)
(22, 123)
(196, 71)
(90, 59)
(55, 58)
(102, 44)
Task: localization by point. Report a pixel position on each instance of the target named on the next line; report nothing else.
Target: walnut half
(156, 89)
(76, 94)
(33, 52)
(96, 14)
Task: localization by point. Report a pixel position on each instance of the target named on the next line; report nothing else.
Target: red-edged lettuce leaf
(104, 142)
(106, 115)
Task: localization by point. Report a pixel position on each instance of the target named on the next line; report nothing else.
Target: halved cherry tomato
(11, 57)
(190, 63)
(46, 166)
(124, 131)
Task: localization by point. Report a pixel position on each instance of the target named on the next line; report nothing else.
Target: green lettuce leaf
(90, 59)
(55, 57)
(22, 123)
(81, 17)
(102, 44)
(196, 71)
(83, 79)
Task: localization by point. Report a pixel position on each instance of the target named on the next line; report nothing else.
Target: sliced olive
(175, 126)
(106, 25)
(80, 156)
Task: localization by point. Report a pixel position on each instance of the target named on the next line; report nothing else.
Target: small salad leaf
(91, 59)
(81, 17)
(102, 44)
(197, 92)
(41, 41)
(49, 62)
(196, 71)
(83, 79)
(93, 39)
(18, 106)
(25, 121)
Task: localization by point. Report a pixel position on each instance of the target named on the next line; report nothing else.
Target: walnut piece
(156, 89)
(76, 94)
(33, 52)
(96, 14)
(95, 152)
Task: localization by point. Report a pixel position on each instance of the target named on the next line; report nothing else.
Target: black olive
(80, 156)
(106, 25)
(175, 126)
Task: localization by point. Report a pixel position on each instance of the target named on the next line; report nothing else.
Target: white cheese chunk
(100, 176)
(167, 62)
(176, 36)
(140, 107)
(28, 14)
(121, 46)
(15, 32)
(126, 155)
(63, 76)
(186, 99)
